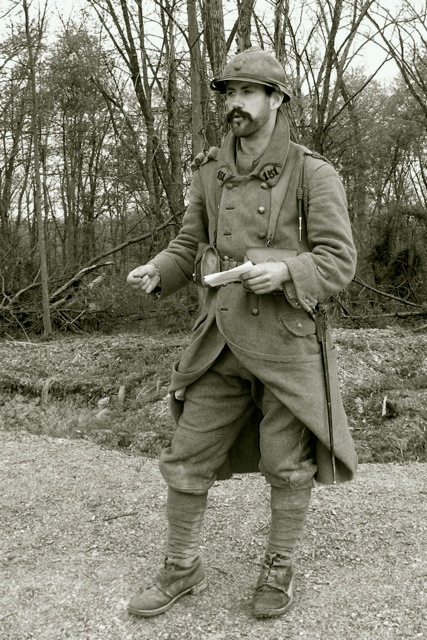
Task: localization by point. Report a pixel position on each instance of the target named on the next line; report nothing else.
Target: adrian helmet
(254, 65)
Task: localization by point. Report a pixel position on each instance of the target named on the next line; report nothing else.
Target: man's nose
(236, 101)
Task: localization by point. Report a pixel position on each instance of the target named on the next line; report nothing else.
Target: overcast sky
(370, 57)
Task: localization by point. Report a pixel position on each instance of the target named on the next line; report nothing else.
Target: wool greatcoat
(277, 342)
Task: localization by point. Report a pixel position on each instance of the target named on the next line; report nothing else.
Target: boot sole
(192, 591)
(272, 613)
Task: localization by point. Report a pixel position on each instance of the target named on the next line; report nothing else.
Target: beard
(247, 125)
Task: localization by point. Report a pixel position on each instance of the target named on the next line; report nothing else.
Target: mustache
(238, 113)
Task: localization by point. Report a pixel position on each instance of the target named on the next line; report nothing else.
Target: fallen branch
(144, 236)
(91, 266)
(76, 278)
(12, 299)
(396, 314)
(360, 282)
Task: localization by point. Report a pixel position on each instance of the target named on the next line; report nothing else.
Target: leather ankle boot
(172, 582)
(274, 590)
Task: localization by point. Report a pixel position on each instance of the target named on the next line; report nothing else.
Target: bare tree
(243, 36)
(404, 37)
(33, 48)
(126, 30)
(213, 25)
(196, 79)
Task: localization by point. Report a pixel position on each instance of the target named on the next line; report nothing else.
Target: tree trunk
(197, 128)
(213, 23)
(47, 322)
(215, 35)
(176, 187)
(243, 36)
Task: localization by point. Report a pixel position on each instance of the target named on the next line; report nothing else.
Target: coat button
(261, 210)
(255, 312)
(261, 236)
(264, 185)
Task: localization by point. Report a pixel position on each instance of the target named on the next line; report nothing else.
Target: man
(250, 388)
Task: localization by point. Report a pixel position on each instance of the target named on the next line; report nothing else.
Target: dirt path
(83, 526)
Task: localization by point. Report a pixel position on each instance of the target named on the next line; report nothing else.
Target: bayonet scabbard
(321, 325)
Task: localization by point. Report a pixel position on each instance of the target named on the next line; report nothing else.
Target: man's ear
(276, 99)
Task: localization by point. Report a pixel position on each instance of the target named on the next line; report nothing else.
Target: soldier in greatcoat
(249, 391)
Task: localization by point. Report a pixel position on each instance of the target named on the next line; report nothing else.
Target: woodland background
(102, 110)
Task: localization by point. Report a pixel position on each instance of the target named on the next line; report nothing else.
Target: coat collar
(271, 162)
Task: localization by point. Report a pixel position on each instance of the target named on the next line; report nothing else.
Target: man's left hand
(266, 277)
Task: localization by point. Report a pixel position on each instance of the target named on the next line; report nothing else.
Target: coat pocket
(269, 254)
(299, 324)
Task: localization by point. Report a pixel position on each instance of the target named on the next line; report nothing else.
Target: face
(249, 108)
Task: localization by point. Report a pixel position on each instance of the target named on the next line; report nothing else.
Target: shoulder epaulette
(317, 156)
(204, 157)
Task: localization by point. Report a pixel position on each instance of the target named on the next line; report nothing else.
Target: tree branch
(360, 282)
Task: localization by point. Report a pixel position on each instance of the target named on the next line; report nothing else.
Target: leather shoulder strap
(279, 191)
(302, 191)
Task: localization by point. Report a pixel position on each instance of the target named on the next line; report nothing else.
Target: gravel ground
(82, 528)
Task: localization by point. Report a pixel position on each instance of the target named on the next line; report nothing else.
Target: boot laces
(272, 563)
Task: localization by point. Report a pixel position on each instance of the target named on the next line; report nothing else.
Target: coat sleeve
(176, 262)
(330, 264)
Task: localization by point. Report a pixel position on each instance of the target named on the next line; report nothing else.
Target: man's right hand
(144, 278)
